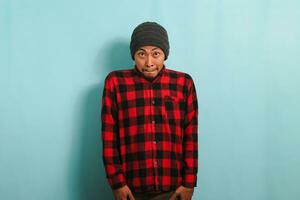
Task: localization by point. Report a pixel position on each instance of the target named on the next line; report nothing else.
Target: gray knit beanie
(149, 33)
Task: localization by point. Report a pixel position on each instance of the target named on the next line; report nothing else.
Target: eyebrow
(151, 49)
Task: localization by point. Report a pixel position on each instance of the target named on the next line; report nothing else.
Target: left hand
(183, 193)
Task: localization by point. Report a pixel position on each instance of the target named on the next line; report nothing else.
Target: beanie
(149, 33)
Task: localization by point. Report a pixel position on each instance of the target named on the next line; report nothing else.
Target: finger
(180, 197)
(173, 197)
(131, 197)
(122, 198)
(118, 197)
(188, 197)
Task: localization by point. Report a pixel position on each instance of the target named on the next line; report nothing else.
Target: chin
(150, 76)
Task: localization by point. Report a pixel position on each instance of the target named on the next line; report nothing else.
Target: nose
(149, 61)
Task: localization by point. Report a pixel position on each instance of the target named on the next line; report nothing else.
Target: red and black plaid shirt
(150, 130)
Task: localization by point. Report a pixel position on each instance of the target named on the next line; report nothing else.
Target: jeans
(153, 195)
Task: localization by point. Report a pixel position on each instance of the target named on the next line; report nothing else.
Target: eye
(156, 54)
(141, 54)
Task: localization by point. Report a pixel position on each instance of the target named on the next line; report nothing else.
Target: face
(149, 60)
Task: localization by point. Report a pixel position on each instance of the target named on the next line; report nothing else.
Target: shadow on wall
(92, 178)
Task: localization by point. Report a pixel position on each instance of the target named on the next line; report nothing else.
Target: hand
(183, 193)
(123, 193)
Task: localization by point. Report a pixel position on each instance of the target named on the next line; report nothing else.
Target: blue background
(242, 55)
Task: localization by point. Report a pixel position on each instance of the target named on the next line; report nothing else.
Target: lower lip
(150, 71)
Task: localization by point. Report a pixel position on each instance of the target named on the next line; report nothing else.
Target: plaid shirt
(150, 130)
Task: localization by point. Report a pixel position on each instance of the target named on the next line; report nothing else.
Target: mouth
(150, 70)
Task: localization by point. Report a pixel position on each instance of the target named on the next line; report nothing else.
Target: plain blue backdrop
(242, 54)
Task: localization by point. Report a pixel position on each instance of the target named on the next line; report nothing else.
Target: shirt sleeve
(111, 157)
(190, 138)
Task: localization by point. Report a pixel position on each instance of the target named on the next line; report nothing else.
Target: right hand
(123, 193)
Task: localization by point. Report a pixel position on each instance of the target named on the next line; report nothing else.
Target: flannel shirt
(150, 130)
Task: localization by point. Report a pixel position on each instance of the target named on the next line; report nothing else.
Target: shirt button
(153, 122)
(155, 162)
(153, 102)
(154, 142)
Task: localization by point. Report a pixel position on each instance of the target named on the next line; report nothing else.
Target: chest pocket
(174, 110)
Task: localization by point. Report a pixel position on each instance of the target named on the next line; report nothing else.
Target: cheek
(159, 62)
(139, 62)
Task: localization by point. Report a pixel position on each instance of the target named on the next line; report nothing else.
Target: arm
(189, 145)
(190, 138)
(111, 157)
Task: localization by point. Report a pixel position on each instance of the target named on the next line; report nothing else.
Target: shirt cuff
(189, 180)
(117, 181)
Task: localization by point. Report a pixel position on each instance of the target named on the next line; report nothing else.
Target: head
(149, 48)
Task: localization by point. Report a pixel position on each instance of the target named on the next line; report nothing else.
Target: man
(150, 124)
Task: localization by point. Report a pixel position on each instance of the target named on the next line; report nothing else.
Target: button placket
(155, 162)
